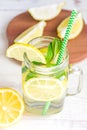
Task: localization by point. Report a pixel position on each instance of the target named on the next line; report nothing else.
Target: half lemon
(11, 107)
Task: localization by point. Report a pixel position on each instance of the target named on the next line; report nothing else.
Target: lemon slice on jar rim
(17, 51)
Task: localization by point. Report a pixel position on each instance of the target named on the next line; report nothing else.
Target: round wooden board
(77, 47)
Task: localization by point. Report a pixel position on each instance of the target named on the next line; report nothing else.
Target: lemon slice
(30, 33)
(11, 107)
(76, 29)
(16, 51)
(44, 89)
(43, 51)
(46, 12)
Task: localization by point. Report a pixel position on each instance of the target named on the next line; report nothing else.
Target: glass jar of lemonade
(42, 83)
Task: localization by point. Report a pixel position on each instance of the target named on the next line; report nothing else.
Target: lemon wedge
(16, 51)
(38, 88)
(46, 12)
(76, 29)
(11, 107)
(31, 32)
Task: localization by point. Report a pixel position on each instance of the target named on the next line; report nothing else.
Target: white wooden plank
(25, 4)
(5, 18)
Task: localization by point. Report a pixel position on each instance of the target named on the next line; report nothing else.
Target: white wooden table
(74, 114)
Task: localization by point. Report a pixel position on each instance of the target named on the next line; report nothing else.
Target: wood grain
(77, 47)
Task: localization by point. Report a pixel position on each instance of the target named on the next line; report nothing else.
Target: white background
(74, 114)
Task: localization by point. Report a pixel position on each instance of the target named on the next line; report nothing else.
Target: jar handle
(74, 80)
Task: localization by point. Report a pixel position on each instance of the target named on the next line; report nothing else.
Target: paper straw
(46, 107)
(66, 37)
(62, 50)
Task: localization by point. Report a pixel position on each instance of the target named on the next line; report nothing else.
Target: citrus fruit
(46, 12)
(43, 51)
(16, 51)
(11, 107)
(31, 32)
(44, 89)
(76, 29)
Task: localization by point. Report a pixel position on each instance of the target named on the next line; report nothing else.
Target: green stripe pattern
(66, 37)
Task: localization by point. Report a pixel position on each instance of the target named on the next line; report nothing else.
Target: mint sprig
(53, 49)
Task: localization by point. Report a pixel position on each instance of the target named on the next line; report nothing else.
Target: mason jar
(42, 84)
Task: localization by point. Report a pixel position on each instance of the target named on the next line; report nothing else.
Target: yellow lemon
(16, 51)
(11, 107)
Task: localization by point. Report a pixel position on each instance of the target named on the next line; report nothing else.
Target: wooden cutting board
(77, 47)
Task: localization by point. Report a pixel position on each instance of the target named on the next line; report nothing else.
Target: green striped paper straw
(62, 50)
(66, 37)
(46, 107)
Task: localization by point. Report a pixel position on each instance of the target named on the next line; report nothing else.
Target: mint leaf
(50, 65)
(24, 69)
(53, 49)
(30, 75)
(50, 53)
(37, 63)
(53, 44)
(56, 44)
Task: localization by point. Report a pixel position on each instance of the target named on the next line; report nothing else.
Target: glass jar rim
(51, 69)
(40, 38)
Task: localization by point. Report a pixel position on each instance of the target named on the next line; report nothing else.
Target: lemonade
(42, 83)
